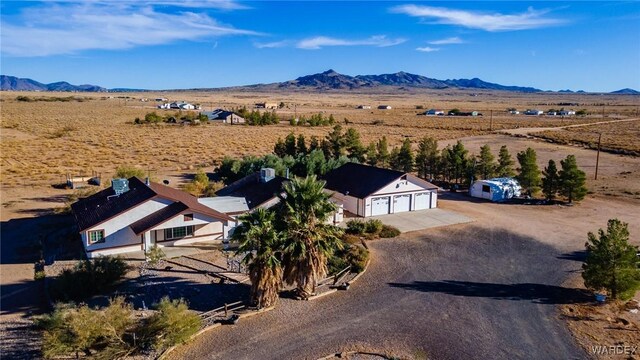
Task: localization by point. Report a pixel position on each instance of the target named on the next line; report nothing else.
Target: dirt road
(531, 130)
(488, 289)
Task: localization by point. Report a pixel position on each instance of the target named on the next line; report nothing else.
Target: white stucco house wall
(134, 215)
(371, 191)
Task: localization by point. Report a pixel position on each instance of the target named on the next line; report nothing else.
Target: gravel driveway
(487, 289)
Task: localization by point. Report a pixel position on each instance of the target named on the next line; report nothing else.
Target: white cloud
(447, 41)
(427, 49)
(272, 45)
(530, 19)
(319, 42)
(69, 28)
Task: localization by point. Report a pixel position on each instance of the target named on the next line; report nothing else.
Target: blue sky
(168, 44)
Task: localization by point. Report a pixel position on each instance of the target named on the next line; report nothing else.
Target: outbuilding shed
(497, 190)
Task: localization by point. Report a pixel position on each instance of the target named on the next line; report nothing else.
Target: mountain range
(328, 80)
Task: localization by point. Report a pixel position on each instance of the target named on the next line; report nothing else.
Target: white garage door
(401, 203)
(423, 200)
(379, 206)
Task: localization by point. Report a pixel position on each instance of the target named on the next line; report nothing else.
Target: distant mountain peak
(20, 84)
(626, 91)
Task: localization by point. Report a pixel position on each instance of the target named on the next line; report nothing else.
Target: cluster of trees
(612, 264)
(314, 120)
(155, 118)
(202, 186)
(290, 243)
(114, 332)
(254, 117)
(452, 164)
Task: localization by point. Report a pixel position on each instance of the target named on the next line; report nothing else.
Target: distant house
(384, 107)
(160, 99)
(266, 105)
(566, 112)
(134, 215)
(434, 112)
(224, 116)
(497, 190)
(464, 113)
(552, 113)
(164, 106)
(369, 191)
(364, 107)
(533, 112)
(514, 112)
(186, 106)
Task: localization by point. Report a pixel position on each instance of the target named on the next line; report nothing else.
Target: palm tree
(305, 208)
(261, 243)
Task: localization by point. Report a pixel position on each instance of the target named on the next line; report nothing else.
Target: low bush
(99, 334)
(389, 232)
(154, 255)
(357, 257)
(173, 324)
(355, 227)
(114, 332)
(373, 226)
(88, 278)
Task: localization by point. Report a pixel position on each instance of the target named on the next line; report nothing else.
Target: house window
(486, 188)
(188, 217)
(178, 232)
(96, 236)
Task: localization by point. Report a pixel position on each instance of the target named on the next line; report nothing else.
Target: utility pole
(491, 120)
(598, 156)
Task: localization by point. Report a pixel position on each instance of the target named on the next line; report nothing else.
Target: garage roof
(363, 180)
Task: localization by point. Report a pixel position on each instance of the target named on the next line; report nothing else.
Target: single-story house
(552, 113)
(134, 215)
(384, 107)
(266, 105)
(566, 112)
(514, 112)
(434, 112)
(370, 191)
(364, 107)
(497, 189)
(224, 116)
(533, 112)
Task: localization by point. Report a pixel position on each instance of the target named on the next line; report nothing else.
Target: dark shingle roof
(254, 191)
(362, 180)
(104, 205)
(157, 217)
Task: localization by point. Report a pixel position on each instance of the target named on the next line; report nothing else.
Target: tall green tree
(280, 148)
(550, 181)
(314, 143)
(486, 165)
(505, 163)
(309, 241)
(290, 144)
(404, 160)
(529, 176)
(337, 141)
(612, 263)
(458, 160)
(572, 179)
(301, 145)
(383, 155)
(261, 245)
(427, 157)
(353, 145)
(372, 155)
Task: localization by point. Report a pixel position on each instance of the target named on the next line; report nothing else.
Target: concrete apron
(422, 219)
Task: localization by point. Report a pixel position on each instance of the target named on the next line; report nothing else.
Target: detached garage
(371, 191)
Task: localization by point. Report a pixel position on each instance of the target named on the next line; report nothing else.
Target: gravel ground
(489, 289)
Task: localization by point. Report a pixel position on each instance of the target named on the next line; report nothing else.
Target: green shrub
(100, 334)
(389, 232)
(373, 226)
(88, 278)
(351, 239)
(356, 227)
(173, 324)
(357, 257)
(127, 171)
(154, 255)
(39, 275)
(24, 98)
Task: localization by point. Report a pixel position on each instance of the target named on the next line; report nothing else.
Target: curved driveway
(487, 289)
